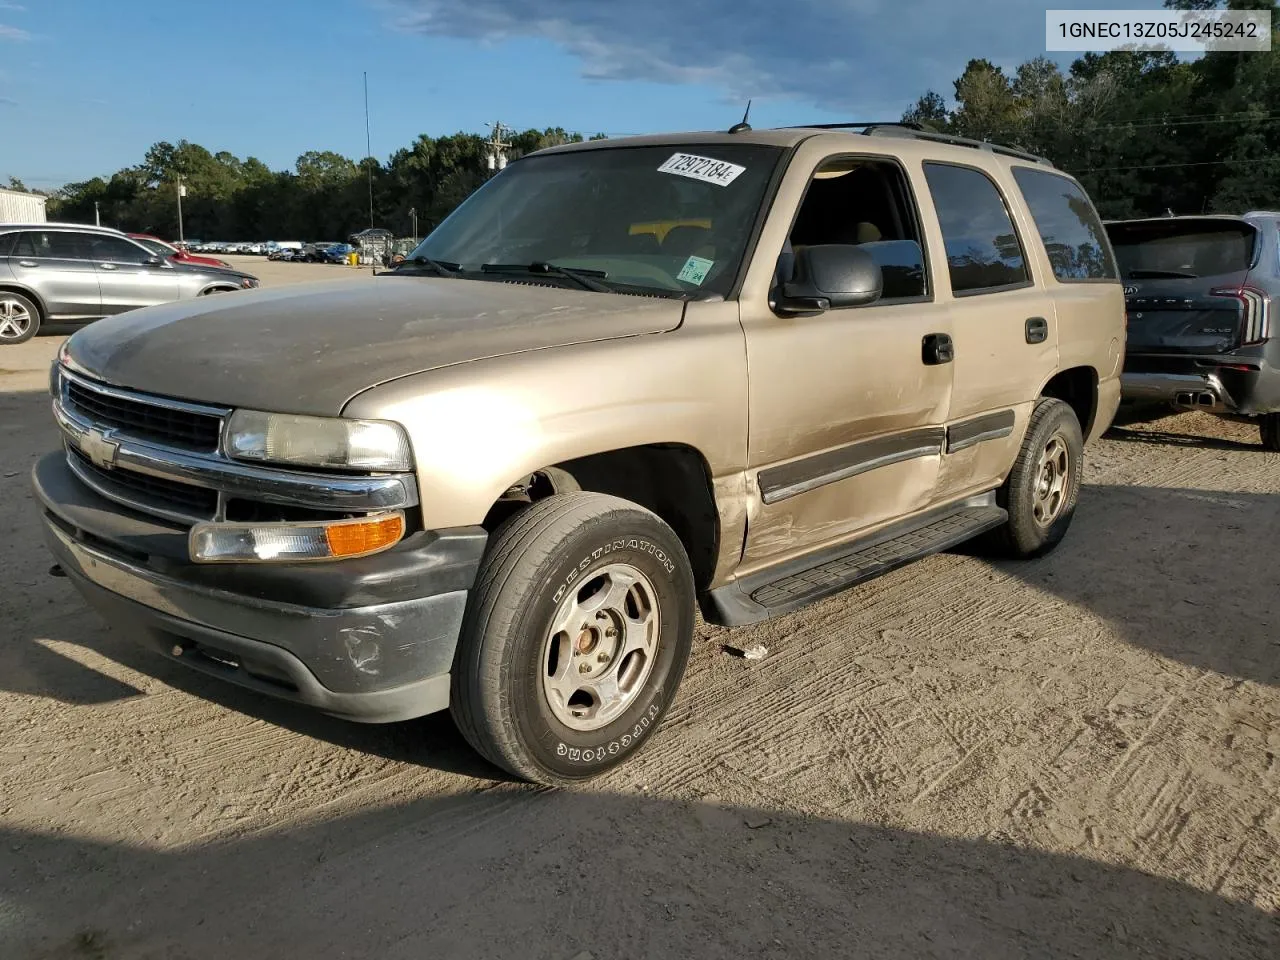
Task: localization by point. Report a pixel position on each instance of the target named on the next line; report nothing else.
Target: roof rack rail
(914, 131)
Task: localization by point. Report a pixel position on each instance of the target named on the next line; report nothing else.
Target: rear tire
(576, 637)
(1269, 431)
(19, 318)
(1044, 484)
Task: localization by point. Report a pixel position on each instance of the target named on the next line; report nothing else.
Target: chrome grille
(155, 495)
(173, 423)
(162, 456)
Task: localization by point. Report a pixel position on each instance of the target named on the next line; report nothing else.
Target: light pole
(413, 216)
(97, 218)
(496, 157)
(182, 192)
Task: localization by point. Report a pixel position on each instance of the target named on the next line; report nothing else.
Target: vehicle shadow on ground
(523, 873)
(431, 741)
(1165, 439)
(1188, 574)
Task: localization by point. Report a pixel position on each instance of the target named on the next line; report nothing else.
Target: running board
(789, 587)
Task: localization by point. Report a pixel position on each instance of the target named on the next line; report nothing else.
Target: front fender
(477, 428)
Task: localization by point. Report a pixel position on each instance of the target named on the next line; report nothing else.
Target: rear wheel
(576, 637)
(1044, 484)
(19, 318)
(1269, 429)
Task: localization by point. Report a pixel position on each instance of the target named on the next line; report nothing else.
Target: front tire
(1044, 484)
(1269, 431)
(575, 639)
(19, 318)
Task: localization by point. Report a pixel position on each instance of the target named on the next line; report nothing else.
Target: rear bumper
(367, 642)
(1189, 391)
(1228, 383)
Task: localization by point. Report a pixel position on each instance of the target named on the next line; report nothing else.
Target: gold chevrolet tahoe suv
(624, 381)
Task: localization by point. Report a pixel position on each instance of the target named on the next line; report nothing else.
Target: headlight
(374, 445)
(290, 542)
(248, 283)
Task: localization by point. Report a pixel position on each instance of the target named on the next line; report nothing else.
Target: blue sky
(87, 85)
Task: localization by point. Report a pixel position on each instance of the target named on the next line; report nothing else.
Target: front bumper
(370, 639)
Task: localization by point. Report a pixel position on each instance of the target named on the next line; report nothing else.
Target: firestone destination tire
(576, 637)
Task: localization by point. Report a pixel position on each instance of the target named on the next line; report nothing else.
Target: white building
(17, 207)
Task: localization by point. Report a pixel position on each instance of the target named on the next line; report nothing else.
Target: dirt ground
(1075, 757)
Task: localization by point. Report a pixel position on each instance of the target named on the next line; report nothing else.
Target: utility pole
(182, 192)
(368, 146)
(97, 219)
(413, 217)
(496, 156)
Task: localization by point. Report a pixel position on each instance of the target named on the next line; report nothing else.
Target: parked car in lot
(174, 253)
(52, 272)
(337, 253)
(383, 498)
(1202, 294)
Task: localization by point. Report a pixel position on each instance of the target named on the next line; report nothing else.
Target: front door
(848, 407)
(56, 264)
(125, 277)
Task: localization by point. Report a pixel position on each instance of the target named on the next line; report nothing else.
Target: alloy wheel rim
(15, 319)
(601, 647)
(1053, 473)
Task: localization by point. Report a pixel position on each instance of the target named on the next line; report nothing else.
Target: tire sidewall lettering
(636, 544)
(595, 754)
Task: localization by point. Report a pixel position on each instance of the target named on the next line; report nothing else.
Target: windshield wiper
(584, 278)
(442, 268)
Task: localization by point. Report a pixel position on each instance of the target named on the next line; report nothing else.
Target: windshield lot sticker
(720, 172)
(695, 270)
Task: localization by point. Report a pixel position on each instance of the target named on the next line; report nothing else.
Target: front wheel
(1044, 484)
(576, 638)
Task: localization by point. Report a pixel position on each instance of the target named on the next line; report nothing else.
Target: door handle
(107, 266)
(1037, 330)
(937, 348)
(27, 263)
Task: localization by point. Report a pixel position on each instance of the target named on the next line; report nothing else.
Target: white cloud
(13, 33)
(838, 54)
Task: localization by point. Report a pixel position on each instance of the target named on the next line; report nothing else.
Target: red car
(162, 249)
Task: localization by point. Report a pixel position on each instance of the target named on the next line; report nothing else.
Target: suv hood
(310, 349)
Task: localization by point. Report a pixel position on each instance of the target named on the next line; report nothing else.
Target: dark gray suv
(68, 273)
(1201, 293)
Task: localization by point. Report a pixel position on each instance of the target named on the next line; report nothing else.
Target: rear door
(1186, 284)
(1005, 327)
(56, 265)
(126, 279)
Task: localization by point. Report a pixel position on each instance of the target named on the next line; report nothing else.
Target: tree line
(1146, 133)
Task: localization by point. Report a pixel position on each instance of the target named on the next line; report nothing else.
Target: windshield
(1182, 248)
(157, 247)
(664, 219)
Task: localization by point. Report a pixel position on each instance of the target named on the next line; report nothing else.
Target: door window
(51, 245)
(865, 202)
(108, 249)
(984, 254)
(1069, 227)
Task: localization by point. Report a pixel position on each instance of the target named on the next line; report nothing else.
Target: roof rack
(914, 131)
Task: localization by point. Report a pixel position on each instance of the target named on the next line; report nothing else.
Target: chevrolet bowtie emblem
(99, 448)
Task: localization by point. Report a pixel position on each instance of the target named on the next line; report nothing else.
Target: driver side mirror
(830, 276)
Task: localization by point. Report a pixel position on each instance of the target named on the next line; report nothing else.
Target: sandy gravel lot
(1075, 757)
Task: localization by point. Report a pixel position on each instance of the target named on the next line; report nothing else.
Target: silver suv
(53, 272)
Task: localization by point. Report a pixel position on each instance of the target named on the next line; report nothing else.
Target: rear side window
(1178, 248)
(51, 245)
(1069, 227)
(983, 251)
